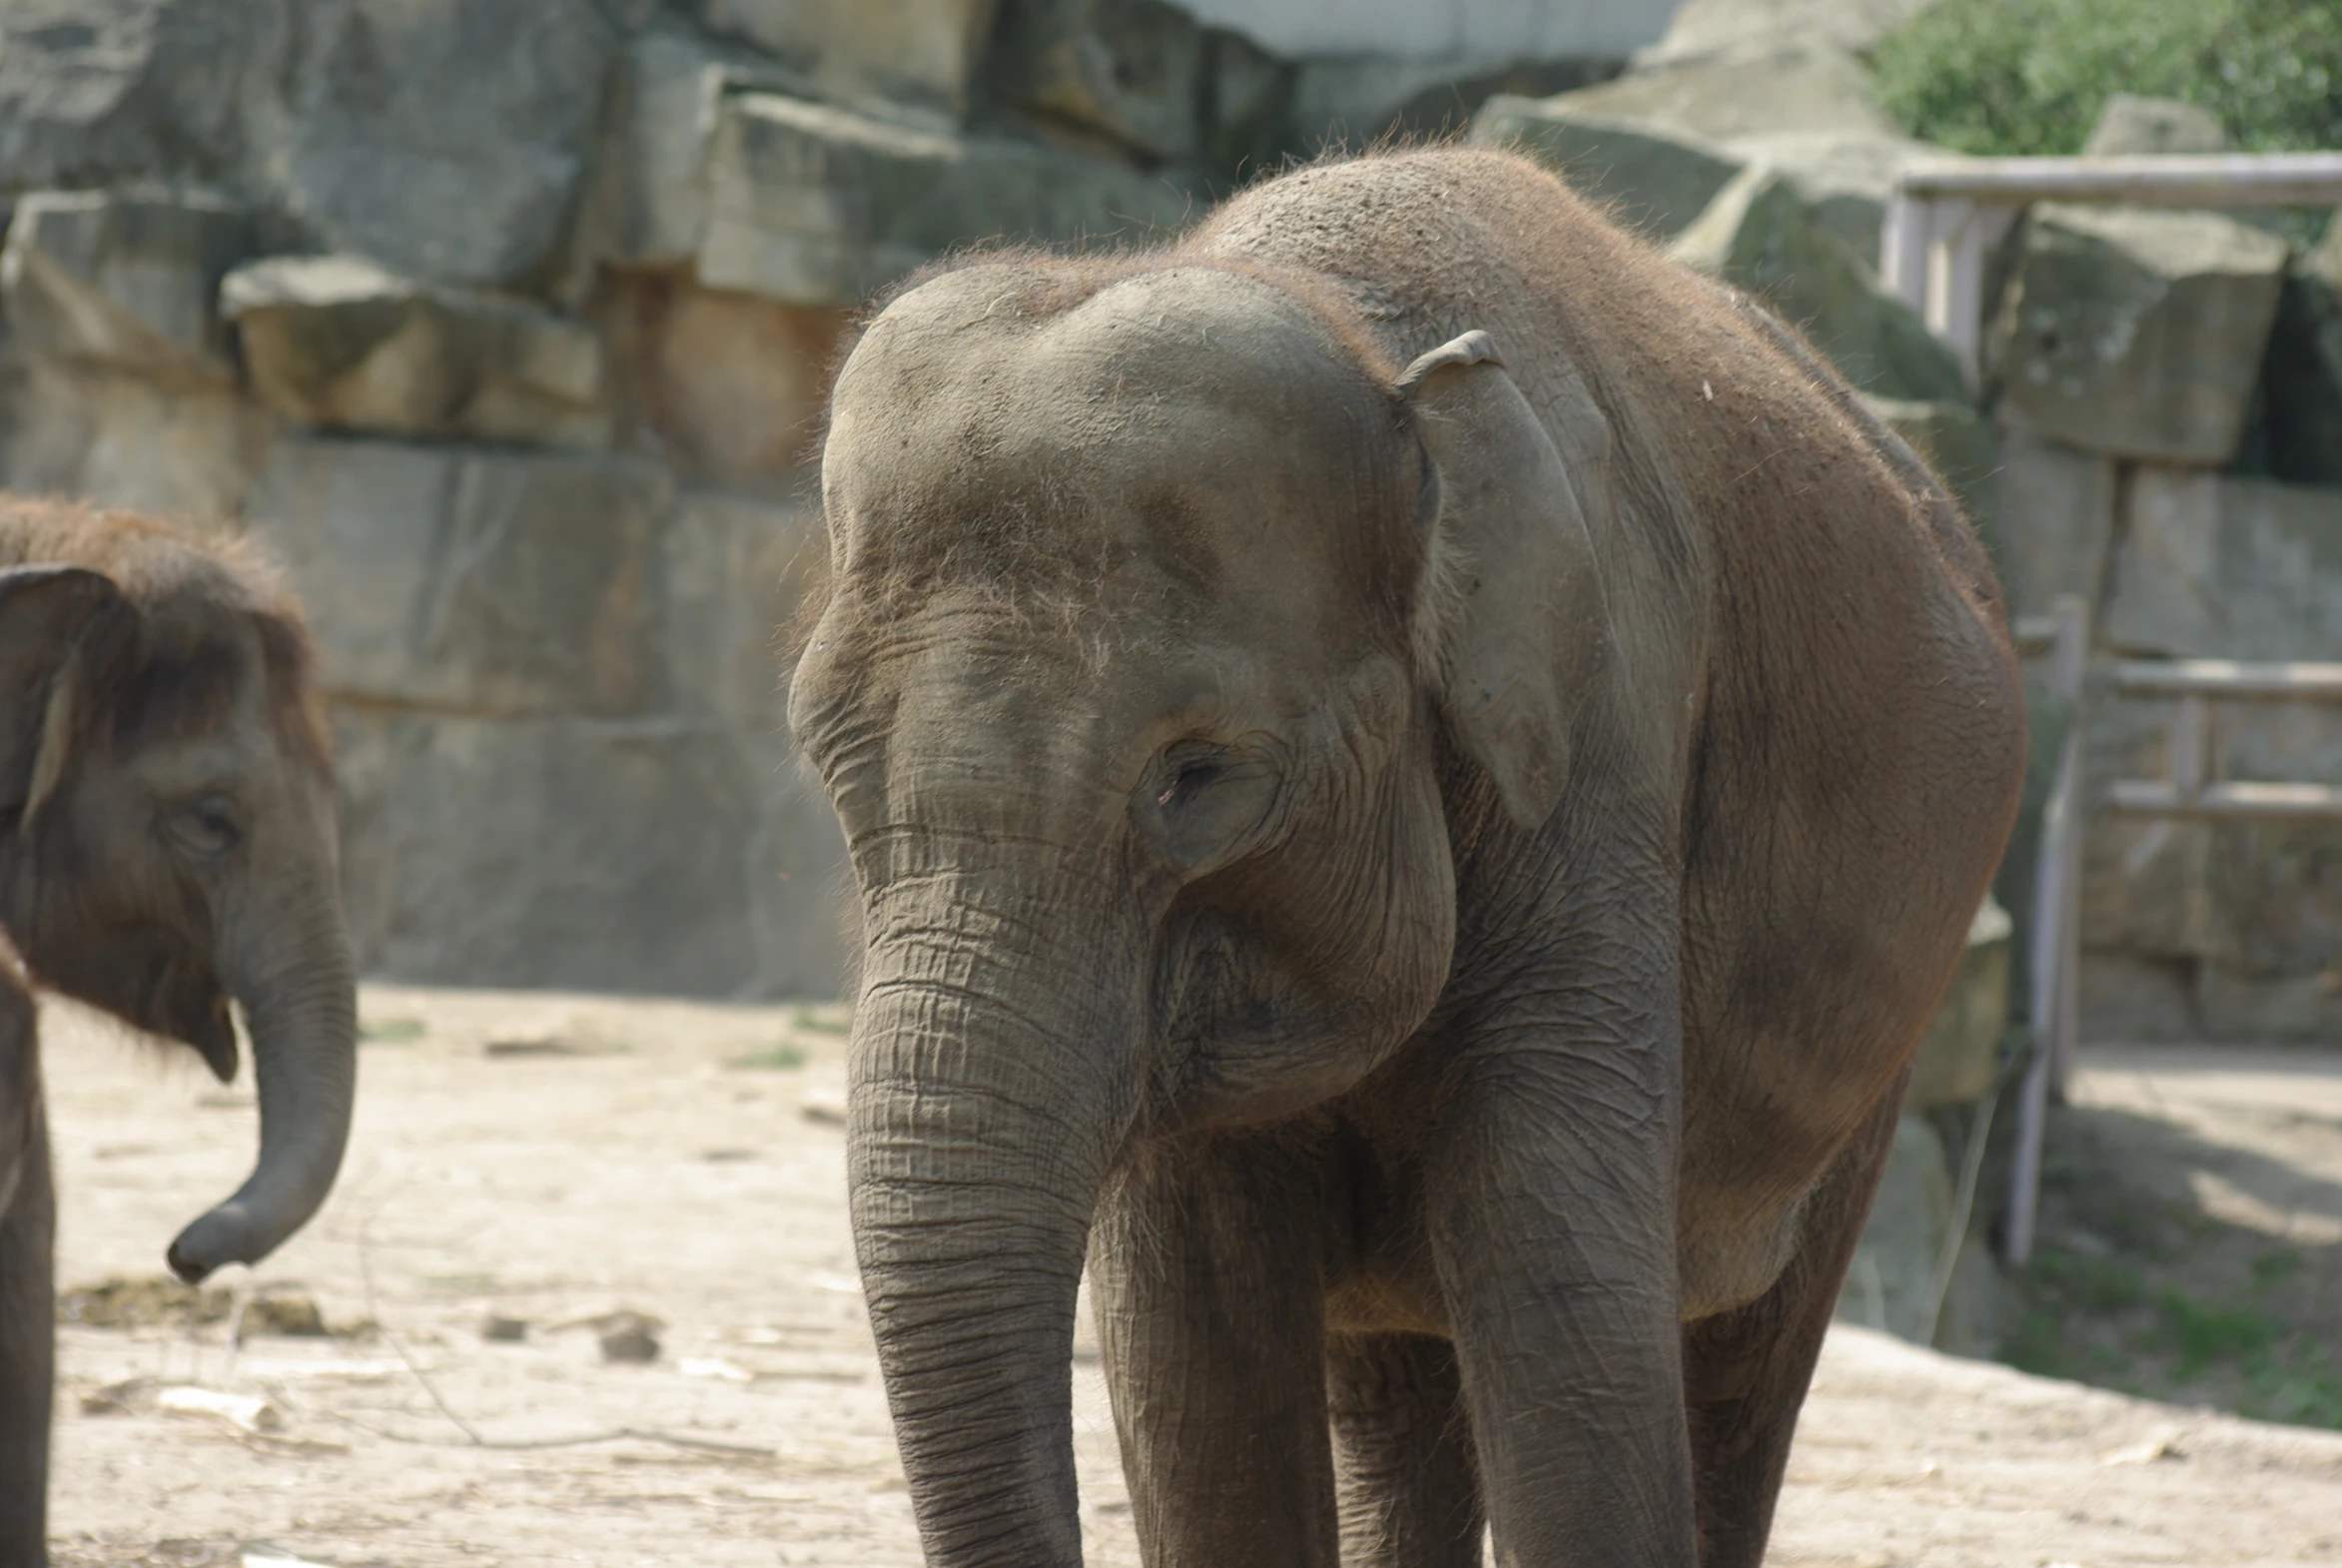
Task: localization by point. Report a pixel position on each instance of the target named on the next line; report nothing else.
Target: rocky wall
(506, 325)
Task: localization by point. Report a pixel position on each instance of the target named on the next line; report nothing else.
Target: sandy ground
(554, 1159)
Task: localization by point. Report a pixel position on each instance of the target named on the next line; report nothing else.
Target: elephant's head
(168, 839)
(1157, 658)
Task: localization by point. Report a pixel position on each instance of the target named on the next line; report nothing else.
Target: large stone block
(1891, 1284)
(730, 386)
(2132, 126)
(603, 855)
(1844, 175)
(1960, 1051)
(1758, 234)
(335, 341)
(2212, 566)
(647, 202)
(920, 52)
(468, 580)
(1130, 69)
(813, 205)
(96, 92)
(1796, 87)
(2137, 332)
(446, 141)
(734, 573)
(1755, 28)
(1656, 179)
(183, 450)
(121, 280)
(2055, 507)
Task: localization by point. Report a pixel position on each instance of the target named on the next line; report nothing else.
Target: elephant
(168, 844)
(1413, 773)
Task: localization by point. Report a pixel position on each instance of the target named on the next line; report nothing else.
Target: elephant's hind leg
(1746, 1370)
(1410, 1491)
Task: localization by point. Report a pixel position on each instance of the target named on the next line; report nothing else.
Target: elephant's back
(1854, 737)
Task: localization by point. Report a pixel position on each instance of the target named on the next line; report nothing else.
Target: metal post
(2055, 935)
(1903, 249)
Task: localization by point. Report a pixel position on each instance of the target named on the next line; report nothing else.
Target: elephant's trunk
(301, 1007)
(984, 1108)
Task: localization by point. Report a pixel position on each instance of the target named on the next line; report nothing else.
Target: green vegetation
(813, 1023)
(781, 1058)
(2028, 77)
(390, 1031)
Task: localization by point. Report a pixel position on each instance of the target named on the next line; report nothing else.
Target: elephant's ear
(1518, 623)
(45, 614)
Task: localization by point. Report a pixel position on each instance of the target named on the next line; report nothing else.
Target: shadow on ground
(2193, 1256)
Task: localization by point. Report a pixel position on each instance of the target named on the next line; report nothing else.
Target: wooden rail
(1947, 215)
(2193, 791)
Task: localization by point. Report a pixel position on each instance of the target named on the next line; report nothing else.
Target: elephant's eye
(206, 825)
(1190, 781)
(1200, 801)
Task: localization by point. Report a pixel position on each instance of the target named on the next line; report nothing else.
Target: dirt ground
(553, 1161)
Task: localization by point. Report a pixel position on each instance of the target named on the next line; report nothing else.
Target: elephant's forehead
(1191, 416)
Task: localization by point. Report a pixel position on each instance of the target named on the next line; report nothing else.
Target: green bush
(2028, 77)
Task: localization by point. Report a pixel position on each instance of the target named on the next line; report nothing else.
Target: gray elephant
(1414, 773)
(166, 844)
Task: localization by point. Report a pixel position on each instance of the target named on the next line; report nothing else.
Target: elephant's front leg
(1550, 1203)
(1206, 1270)
(28, 1343)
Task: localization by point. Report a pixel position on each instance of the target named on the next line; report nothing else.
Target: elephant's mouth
(184, 1001)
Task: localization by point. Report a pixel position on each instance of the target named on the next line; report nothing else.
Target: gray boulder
(1959, 1054)
(2130, 125)
(183, 449)
(2137, 332)
(446, 141)
(458, 868)
(814, 205)
(1844, 175)
(2055, 509)
(647, 202)
(487, 583)
(727, 386)
(96, 92)
(1655, 179)
(1891, 1284)
(1129, 69)
(2214, 566)
(1757, 29)
(1758, 234)
(121, 280)
(334, 342)
(733, 572)
(1798, 88)
(924, 53)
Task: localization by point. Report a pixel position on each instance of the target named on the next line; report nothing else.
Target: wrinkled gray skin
(1414, 774)
(166, 844)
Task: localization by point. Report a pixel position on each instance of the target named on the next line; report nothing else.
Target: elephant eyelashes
(1200, 801)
